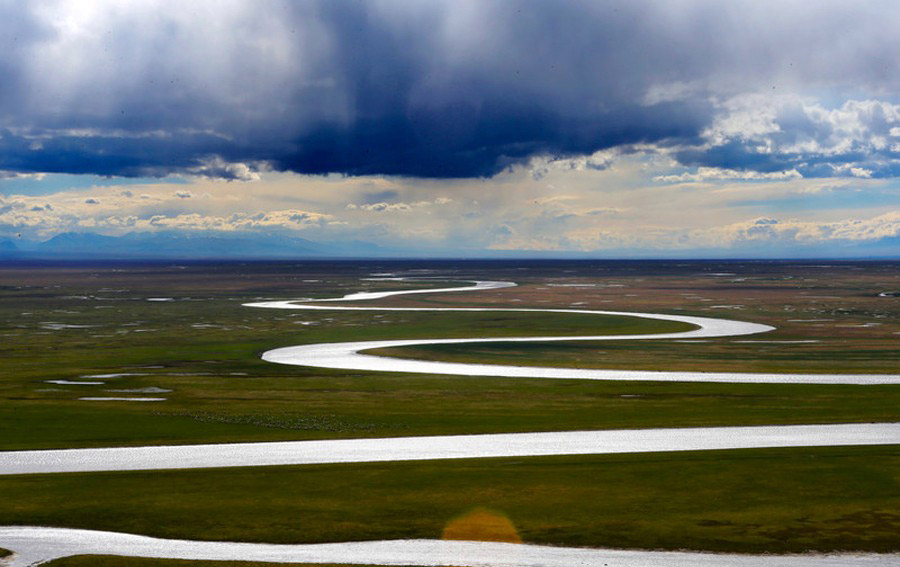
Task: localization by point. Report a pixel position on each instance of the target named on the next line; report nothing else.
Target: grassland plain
(73, 324)
(835, 318)
(879, 357)
(773, 500)
(181, 328)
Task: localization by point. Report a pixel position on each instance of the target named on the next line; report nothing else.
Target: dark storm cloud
(437, 89)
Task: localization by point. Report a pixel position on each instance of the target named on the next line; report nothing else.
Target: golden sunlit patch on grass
(482, 524)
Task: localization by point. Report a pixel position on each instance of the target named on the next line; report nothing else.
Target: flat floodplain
(841, 318)
(771, 500)
(179, 332)
(201, 351)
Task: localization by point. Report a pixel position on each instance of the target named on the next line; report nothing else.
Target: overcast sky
(678, 127)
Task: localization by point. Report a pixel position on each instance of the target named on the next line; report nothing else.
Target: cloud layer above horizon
(457, 125)
(445, 89)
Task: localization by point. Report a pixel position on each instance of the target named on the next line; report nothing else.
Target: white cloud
(291, 219)
(859, 138)
(569, 209)
(215, 167)
(18, 175)
(719, 174)
(114, 210)
(764, 233)
(767, 230)
(384, 207)
(541, 166)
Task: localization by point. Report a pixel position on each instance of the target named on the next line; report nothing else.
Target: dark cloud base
(429, 145)
(432, 90)
(397, 145)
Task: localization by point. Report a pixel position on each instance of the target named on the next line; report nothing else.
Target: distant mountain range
(231, 246)
(149, 245)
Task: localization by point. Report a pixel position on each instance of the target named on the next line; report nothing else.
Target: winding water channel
(33, 545)
(348, 355)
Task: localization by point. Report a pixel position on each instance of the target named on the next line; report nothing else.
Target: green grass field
(741, 354)
(777, 500)
(204, 347)
(377, 406)
(202, 350)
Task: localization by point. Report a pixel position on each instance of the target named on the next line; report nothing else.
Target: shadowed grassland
(773, 500)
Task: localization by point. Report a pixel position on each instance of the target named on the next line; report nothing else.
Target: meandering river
(34, 545)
